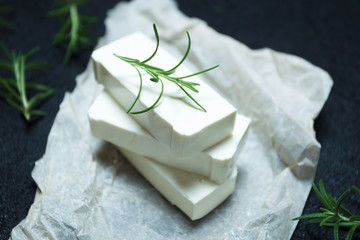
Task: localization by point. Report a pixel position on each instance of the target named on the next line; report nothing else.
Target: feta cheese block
(193, 194)
(176, 121)
(108, 121)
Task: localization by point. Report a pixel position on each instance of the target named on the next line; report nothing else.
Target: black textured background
(325, 32)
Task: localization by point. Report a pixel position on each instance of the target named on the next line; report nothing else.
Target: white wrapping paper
(87, 190)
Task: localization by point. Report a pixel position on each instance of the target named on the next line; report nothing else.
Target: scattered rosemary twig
(3, 22)
(334, 214)
(74, 27)
(16, 87)
(157, 74)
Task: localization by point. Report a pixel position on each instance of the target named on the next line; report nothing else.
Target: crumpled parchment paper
(87, 190)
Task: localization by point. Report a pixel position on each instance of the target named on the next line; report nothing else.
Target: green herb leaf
(3, 22)
(356, 189)
(351, 232)
(157, 74)
(15, 88)
(74, 28)
(334, 214)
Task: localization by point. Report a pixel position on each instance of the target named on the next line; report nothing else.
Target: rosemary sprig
(3, 22)
(158, 74)
(334, 214)
(16, 87)
(74, 27)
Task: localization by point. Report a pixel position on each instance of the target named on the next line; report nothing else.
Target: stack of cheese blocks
(187, 154)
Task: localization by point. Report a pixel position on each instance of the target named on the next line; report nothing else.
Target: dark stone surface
(324, 32)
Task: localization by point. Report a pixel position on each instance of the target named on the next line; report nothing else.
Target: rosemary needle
(157, 74)
(16, 86)
(74, 27)
(3, 22)
(334, 214)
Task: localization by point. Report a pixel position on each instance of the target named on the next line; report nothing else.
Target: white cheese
(108, 121)
(176, 121)
(193, 194)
